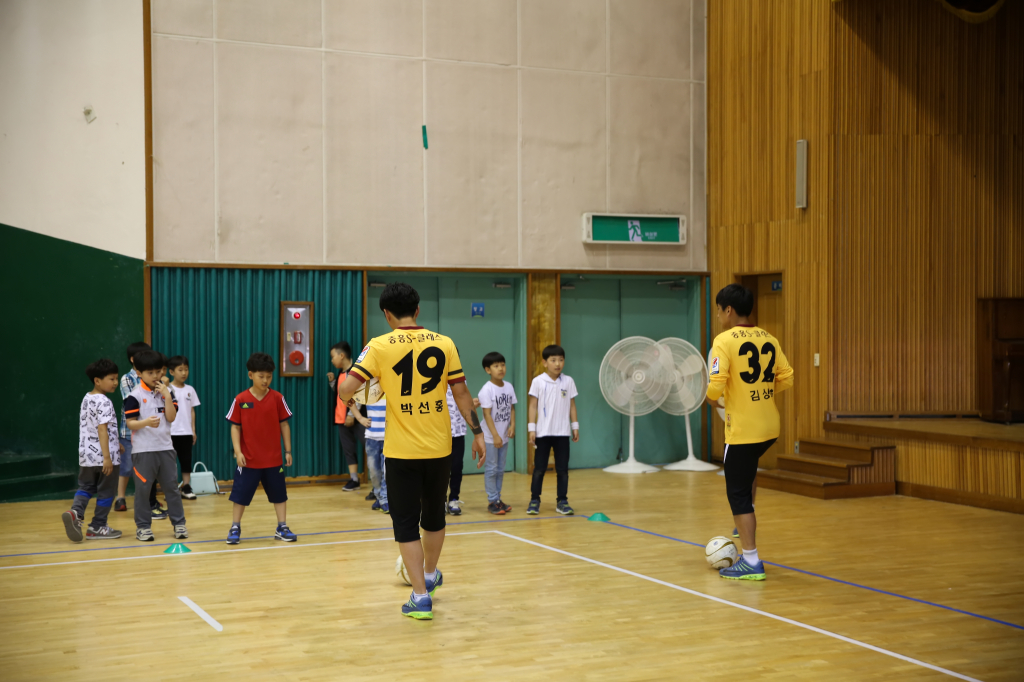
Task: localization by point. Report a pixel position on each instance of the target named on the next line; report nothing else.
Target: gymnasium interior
(217, 178)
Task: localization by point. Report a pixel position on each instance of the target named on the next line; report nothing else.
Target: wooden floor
(969, 432)
(931, 590)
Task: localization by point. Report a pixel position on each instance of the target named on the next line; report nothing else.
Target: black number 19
(433, 375)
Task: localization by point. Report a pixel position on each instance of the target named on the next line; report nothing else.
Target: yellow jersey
(748, 366)
(414, 367)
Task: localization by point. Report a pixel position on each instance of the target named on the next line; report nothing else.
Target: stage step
(820, 487)
(857, 452)
(19, 466)
(62, 486)
(828, 467)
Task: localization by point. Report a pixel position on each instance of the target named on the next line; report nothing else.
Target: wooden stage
(860, 589)
(966, 431)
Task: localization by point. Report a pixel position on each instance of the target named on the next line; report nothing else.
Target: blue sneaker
(376, 506)
(384, 508)
(735, 532)
(563, 508)
(285, 533)
(534, 507)
(420, 609)
(235, 534)
(437, 582)
(741, 570)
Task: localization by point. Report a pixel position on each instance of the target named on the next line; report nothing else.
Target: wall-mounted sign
(476, 309)
(296, 354)
(776, 285)
(607, 228)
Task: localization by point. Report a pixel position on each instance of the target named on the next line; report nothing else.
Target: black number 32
(754, 360)
(433, 374)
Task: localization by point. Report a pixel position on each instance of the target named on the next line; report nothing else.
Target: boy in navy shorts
(259, 418)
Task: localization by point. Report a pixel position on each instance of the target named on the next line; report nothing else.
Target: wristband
(476, 430)
(531, 428)
(575, 426)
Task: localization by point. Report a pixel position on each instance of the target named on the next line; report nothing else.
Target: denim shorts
(126, 457)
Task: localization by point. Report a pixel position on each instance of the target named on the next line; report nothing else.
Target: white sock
(430, 576)
(751, 556)
(420, 597)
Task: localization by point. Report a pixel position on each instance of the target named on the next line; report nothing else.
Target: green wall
(445, 304)
(599, 312)
(64, 306)
(217, 317)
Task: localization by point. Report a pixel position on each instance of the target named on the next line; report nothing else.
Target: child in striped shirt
(374, 444)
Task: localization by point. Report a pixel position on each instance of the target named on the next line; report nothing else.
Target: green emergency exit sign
(606, 228)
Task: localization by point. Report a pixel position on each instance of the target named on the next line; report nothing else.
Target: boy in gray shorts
(149, 411)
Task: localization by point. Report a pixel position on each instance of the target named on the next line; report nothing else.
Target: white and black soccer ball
(721, 552)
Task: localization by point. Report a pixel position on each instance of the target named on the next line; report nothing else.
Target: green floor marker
(177, 548)
(598, 517)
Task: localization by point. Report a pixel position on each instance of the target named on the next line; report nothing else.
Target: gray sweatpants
(151, 467)
(92, 482)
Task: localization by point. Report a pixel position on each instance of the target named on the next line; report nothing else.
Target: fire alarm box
(296, 356)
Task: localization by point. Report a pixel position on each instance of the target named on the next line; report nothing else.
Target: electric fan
(634, 377)
(687, 389)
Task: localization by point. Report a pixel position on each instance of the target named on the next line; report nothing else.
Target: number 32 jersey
(748, 366)
(414, 367)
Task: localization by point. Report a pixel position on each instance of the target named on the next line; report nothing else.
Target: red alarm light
(296, 315)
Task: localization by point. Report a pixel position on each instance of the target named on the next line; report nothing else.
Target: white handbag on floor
(204, 482)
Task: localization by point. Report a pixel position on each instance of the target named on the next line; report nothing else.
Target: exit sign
(612, 228)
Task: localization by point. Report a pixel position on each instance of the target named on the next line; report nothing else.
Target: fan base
(690, 464)
(632, 467)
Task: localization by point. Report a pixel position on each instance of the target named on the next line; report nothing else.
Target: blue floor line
(837, 580)
(261, 537)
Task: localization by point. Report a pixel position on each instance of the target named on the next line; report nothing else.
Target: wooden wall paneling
(543, 303)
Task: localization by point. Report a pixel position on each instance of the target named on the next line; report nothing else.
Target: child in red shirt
(259, 418)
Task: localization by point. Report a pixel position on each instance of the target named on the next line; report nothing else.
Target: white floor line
(221, 551)
(202, 614)
(746, 608)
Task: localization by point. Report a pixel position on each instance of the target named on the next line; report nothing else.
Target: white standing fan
(687, 390)
(634, 379)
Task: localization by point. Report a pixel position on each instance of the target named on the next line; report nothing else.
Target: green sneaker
(741, 570)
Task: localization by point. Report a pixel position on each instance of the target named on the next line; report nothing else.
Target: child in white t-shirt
(498, 399)
(183, 429)
(552, 423)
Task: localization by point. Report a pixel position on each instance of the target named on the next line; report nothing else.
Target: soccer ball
(721, 552)
(369, 393)
(401, 572)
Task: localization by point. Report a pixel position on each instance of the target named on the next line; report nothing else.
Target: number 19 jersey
(414, 367)
(748, 366)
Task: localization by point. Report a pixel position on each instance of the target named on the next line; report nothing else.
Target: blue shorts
(248, 479)
(126, 457)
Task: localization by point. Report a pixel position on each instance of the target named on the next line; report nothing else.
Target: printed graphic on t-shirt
(96, 410)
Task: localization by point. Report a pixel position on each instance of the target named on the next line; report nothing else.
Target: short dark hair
(553, 350)
(738, 296)
(493, 358)
(399, 299)
(260, 362)
(343, 348)
(177, 361)
(149, 359)
(103, 367)
(135, 348)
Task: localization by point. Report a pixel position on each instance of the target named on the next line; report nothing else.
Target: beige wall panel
(700, 40)
(278, 22)
(380, 26)
(374, 160)
(471, 30)
(564, 163)
(183, 202)
(697, 218)
(651, 38)
(472, 119)
(568, 34)
(182, 17)
(650, 146)
(270, 161)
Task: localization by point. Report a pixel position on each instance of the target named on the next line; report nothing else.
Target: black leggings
(545, 444)
(416, 490)
(740, 472)
(458, 454)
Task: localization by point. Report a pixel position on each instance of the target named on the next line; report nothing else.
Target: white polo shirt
(553, 398)
(187, 399)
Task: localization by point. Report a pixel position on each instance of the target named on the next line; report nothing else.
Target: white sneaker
(180, 532)
(144, 535)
